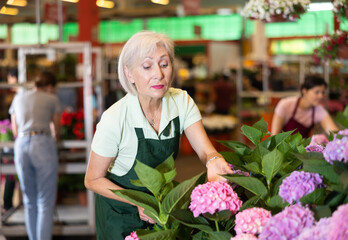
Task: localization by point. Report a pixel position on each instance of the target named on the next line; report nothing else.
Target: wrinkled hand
(216, 168)
(143, 216)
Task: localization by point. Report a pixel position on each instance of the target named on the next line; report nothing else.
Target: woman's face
(152, 76)
(314, 95)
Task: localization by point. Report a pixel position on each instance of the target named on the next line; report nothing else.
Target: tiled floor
(187, 166)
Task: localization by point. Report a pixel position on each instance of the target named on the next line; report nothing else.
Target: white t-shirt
(286, 107)
(115, 134)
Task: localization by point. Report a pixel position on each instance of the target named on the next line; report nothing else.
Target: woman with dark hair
(302, 113)
(35, 153)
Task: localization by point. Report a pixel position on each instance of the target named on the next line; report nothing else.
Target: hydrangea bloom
(213, 197)
(244, 237)
(132, 236)
(337, 150)
(287, 224)
(339, 226)
(343, 132)
(319, 231)
(299, 184)
(315, 148)
(251, 220)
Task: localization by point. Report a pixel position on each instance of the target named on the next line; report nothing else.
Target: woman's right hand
(143, 216)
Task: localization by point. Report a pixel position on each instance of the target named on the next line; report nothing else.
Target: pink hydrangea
(319, 231)
(251, 220)
(319, 139)
(213, 197)
(244, 237)
(339, 224)
(132, 236)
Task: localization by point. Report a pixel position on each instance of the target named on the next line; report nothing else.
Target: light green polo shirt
(115, 134)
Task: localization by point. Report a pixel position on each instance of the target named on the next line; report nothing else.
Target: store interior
(259, 62)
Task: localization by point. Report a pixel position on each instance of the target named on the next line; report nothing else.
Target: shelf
(69, 168)
(61, 144)
(268, 94)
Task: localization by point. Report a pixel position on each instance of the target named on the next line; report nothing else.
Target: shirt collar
(137, 119)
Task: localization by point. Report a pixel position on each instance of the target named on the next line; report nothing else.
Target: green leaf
(218, 216)
(137, 183)
(252, 184)
(232, 158)
(323, 168)
(277, 203)
(238, 147)
(261, 125)
(220, 235)
(150, 177)
(253, 167)
(277, 139)
(178, 193)
(316, 197)
(321, 212)
(258, 152)
(271, 164)
(141, 199)
(167, 165)
(169, 176)
(251, 202)
(169, 234)
(253, 134)
(334, 199)
(186, 217)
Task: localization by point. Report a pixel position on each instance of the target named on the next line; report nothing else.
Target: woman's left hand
(216, 168)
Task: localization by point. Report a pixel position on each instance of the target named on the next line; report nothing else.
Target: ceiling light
(324, 6)
(8, 11)
(18, 3)
(105, 4)
(162, 2)
(72, 1)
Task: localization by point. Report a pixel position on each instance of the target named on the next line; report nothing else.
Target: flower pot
(342, 52)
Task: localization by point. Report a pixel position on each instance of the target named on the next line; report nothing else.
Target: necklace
(152, 121)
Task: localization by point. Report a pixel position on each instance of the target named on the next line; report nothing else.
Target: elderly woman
(301, 114)
(146, 125)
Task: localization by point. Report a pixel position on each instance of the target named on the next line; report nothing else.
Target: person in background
(145, 125)
(302, 113)
(35, 153)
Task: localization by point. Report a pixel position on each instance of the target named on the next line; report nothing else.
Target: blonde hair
(137, 48)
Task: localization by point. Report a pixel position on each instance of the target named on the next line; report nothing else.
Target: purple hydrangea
(315, 148)
(319, 139)
(343, 132)
(337, 150)
(299, 184)
(287, 224)
(319, 231)
(339, 224)
(244, 237)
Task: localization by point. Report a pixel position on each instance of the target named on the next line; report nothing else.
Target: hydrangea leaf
(178, 193)
(141, 199)
(218, 216)
(271, 164)
(277, 203)
(322, 167)
(169, 176)
(277, 139)
(150, 177)
(232, 158)
(252, 184)
(261, 125)
(253, 167)
(167, 165)
(169, 234)
(220, 235)
(253, 134)
(258, 152)
(186, 217)
(238, 147)
(316, 197)
(251, 202)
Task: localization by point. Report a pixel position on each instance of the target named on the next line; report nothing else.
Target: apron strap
(140, 133)
(296, 106)
(166, 131)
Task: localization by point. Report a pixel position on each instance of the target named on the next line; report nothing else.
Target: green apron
(115, 220)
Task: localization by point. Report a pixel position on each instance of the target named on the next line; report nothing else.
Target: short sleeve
(191, 113)
(320, 114)
(107, 136)
(56, 107)
(12, 107)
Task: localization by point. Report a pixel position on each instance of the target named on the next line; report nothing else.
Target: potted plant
(275, 11)
(340, 8)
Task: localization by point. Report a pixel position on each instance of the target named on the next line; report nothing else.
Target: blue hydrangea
(299, 184)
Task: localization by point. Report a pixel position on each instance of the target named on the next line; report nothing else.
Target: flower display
(132, 236)
(339, 226)
(319, 231)
(328, 47)
(265, 10)
(251, 221)
(299, 184)
(5, 131)
(336, 150)
(340, 8)
(72, 125)
(343, 132)
(315, 148)
(287, 224)
(244, 237)
(213, 197)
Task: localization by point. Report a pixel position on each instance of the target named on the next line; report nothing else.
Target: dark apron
(292, 124)
(114, 219)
